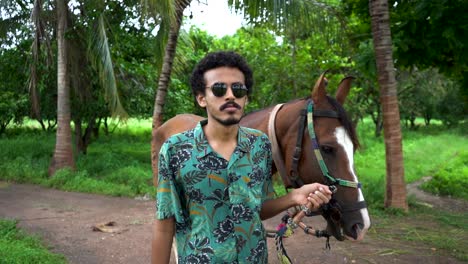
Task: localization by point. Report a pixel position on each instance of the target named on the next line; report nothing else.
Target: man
(215, 182)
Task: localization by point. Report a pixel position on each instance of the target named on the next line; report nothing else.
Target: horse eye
(326, 149)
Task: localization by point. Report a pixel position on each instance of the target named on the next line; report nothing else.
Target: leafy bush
(452, 178)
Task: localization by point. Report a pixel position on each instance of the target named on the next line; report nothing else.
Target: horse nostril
(356, 230)
(358, 227)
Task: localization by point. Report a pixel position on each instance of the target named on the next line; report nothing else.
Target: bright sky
(213, 16)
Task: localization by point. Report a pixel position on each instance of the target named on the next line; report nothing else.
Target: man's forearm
(161, 244)
(273, 207)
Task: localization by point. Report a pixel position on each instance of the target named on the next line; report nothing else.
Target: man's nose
(229, 93)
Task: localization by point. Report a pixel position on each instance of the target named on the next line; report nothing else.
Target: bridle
(333, 210)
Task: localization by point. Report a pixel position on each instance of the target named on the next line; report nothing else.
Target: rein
(333, 210)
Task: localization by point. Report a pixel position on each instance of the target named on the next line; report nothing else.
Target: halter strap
(326, 113)
(277, 157)
(294, 173)
(323, 167)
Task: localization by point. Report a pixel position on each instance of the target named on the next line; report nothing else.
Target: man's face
(222, 86)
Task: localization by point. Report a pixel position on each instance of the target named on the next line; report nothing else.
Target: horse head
(322, 150)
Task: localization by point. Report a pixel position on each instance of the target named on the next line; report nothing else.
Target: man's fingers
(325, 190)
(318, 198)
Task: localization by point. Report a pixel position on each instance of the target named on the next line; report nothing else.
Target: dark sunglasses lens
(239, 90)
(219, 89)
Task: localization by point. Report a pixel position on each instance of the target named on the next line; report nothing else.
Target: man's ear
(201, 100)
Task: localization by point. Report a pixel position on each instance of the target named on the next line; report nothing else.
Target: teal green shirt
(216, 203)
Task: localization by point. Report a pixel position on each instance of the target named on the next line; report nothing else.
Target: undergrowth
(18, 247)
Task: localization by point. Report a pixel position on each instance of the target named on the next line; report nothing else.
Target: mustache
(229, 104)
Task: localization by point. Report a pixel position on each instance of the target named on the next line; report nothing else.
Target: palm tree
(63, 154)
(174, 24)
(395, 195)
(73, 65)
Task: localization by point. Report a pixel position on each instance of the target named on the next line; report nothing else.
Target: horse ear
(319, 93)
(343, 89)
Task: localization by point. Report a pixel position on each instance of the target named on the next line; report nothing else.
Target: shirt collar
(203, 147)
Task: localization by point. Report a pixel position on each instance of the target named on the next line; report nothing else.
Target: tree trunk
(83, 139)
(35, 50)
(63, 154)
(165, 75)
(395, 195)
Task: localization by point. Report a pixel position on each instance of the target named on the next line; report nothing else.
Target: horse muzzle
(346, 222)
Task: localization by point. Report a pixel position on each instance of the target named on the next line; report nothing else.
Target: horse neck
(286, 125)
(257, 120)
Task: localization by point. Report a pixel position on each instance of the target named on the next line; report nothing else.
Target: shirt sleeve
(167, 198)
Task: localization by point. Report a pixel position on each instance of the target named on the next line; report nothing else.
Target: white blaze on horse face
(345, 141)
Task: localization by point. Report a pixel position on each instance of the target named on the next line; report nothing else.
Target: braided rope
(286, 228)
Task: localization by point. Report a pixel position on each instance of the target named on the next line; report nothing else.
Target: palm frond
(162, 10)
(100, 56)
(161, 41)
(284, 14)
(14, 16)
(180, 62)
(164, 13)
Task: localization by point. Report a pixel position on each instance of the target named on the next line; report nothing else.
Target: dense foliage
(286, 61)
(427, 35)
(13, 92)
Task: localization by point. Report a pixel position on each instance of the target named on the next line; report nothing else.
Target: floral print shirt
(216, 203)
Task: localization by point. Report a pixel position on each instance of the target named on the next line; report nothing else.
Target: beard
(228, 122)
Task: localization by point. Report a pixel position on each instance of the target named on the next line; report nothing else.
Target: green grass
(117, 164)
(17, 247)
(445, 232)
(425, 151)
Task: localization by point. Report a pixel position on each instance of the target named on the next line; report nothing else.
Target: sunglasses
(219, 89)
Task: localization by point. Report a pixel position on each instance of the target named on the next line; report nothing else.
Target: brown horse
(335, 139)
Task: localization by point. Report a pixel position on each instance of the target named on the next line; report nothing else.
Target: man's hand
(313, 195)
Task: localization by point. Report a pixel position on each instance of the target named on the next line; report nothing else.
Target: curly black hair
(215, 60)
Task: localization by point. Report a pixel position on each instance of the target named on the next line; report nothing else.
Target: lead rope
(286, 228)
(283, 230)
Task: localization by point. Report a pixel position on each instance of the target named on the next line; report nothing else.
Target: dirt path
(65, 221)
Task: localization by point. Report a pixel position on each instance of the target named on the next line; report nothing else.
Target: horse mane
(345, 121)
